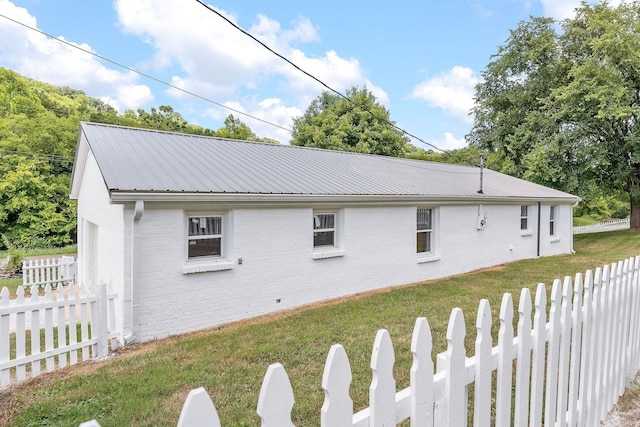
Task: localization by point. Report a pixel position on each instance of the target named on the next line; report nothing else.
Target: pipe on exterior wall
(539, 213)
(138, 210)
(571, 250)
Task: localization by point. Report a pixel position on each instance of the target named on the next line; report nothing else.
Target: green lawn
(147, 384)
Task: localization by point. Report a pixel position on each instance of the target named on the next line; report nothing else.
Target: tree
(235, 129)
(333, 122)
(561, 107)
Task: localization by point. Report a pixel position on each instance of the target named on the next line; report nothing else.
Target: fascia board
(130, 196)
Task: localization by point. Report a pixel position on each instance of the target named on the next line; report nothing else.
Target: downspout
(572, 206)
(538, 238)
(135, 272)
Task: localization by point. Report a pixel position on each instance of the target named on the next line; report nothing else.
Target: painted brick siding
(108, 263)
(278, 270)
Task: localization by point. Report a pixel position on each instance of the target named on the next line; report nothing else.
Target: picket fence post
(337, 409)
(483, 366)
(422, 375)
(553, 355)
(198, 410)
(382, 392)
(523, 366)
(276, 398)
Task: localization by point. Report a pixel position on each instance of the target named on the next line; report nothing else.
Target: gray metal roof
(147, 161)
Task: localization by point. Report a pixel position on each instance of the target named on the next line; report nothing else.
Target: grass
(71, 249)
(147, 384)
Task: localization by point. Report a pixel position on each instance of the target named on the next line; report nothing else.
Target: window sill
(328, 253)
(554, 239)
(422, 258)
(204, 266)
(525, 233)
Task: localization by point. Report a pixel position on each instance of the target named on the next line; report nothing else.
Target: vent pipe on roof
(481, 173)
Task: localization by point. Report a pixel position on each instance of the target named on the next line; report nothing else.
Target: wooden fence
(56, 329)
(41, 272)
(571, 365)
(611, 225)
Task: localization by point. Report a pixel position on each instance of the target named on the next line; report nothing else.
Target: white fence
(571, 365)
(54, 329)
(614, 224)
(49, 271)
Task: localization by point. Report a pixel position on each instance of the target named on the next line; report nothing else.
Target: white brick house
(195, 232)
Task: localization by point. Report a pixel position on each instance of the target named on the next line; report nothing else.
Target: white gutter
(168, 196)
(135, 272)
(572, 206)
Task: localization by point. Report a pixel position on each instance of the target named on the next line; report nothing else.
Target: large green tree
(559, 103)
(360, 125)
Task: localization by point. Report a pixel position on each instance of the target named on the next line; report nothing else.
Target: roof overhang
(118, 196)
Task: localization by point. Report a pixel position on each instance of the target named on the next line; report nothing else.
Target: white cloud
(450, 142)
(565, 9)
(451, 90)
(36, 56)
(216, 61)
(559, 9)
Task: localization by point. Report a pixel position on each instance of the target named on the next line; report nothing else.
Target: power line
(318, 80)
(52, 157)
(148, 76)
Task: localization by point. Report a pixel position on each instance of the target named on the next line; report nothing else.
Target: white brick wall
(108, 263)
(277, 265)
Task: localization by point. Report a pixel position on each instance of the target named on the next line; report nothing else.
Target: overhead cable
(148, 76)
(318, 80)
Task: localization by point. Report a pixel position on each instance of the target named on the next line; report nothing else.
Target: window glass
(205, 236)
(324, 229)
(524, 217)
(552, 221)
(424, 225)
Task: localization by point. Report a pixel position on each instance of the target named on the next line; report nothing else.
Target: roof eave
(118, 196)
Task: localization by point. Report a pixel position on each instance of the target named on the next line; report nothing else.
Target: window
(424, 225)
(324, 229)
(205, 237)
(524, 218)
(553, 221)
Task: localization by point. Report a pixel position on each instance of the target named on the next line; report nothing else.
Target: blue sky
(420, 59)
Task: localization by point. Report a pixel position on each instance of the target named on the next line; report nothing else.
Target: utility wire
(318, 80)
(52, 157)
(150, 77)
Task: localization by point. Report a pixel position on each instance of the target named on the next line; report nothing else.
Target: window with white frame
(205, 236)
(424, 230)
(524, 218)
(324, 229)
(553, 221)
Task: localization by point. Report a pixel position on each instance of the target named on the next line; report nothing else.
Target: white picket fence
(55, 329)
(54, 271)
(569, 370)
(611, 225)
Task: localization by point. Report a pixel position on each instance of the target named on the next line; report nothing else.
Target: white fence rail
(55, 329)
(614, 224)
(41, 272)
(572, 364)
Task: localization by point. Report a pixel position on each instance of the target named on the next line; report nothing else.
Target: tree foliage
(38, 134)
(559, 104)
(332, 122)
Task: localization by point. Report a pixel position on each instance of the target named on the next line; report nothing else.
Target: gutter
(266, 198)
(571, 248)
(135, 273)
(538, 237)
